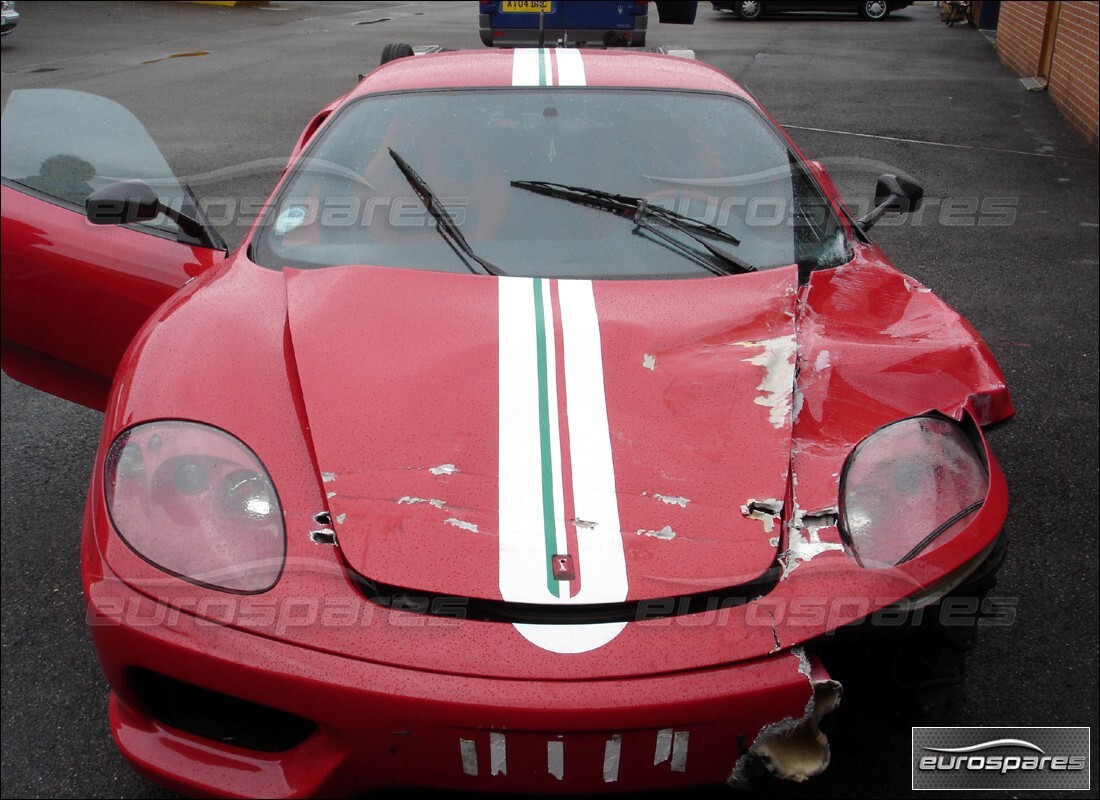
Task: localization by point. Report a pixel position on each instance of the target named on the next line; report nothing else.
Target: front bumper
(384, 726)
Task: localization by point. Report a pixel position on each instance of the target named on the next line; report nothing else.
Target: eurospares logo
(1001, 758)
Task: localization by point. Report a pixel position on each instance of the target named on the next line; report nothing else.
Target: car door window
(100, 143)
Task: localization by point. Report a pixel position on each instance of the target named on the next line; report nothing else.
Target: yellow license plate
(526, 6)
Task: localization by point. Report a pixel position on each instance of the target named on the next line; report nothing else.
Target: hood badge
(563, 567)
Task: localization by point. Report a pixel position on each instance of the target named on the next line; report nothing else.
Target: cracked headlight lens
(908, 488)
(197, 503)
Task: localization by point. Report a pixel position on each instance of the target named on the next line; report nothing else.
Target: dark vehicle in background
(868, 9)
(591, 23)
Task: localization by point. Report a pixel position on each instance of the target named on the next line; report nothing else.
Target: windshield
(710, 158)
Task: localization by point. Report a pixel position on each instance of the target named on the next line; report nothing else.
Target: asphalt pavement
(1009, 237)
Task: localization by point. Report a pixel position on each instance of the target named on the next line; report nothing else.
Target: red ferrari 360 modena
(553, 430)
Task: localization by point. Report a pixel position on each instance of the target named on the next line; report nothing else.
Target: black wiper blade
(642, 213)
(643, 224)
(627, 205)
(623, 203)
(444, 222)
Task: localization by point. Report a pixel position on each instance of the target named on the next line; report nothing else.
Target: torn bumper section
(795, 749)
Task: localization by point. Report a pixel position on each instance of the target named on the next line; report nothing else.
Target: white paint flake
(767, 511)
(328, 477)
(468, 749)
(409, 501)
(664, 746)
(340, 518)
(777, 359)
(803, 660)
(680, 751)
(804, 543)
(672, 746)
(611, 750)
(822, 361)
(443, 469)
(672, 501)
(913, 285)
(458, 523)
(664, 533)
(649, 361)
(498, 754)
(555, 758)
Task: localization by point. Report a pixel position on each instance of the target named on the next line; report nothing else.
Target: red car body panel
(359, 387)
(689, 440)
(418, 718)
(96, 285)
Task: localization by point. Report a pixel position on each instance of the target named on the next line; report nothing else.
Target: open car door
(74, 294)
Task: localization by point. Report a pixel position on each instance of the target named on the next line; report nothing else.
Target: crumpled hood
(547, 441)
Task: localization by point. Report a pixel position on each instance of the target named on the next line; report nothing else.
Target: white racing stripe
(600, 545)
(570, 67)
(531, 66)
(525, 67)
(532, 523)
(521, 530)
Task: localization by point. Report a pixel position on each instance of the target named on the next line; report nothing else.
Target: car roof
(494, 67)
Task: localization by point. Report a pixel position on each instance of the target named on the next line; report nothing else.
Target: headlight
(909, 487)
(196, 502)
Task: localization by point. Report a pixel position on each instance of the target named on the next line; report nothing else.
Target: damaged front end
(794, 749)
(907, 658)
(890, 535)
(842, 416)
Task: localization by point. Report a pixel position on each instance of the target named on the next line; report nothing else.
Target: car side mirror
(894, 194)
(132, 200)
(121, 203)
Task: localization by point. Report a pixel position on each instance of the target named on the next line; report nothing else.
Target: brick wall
(1075, 62)
(1075, 68)
(1020, 35)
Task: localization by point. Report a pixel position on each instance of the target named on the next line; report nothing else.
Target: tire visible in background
(874, 9)
(395, 50)
(749, 10)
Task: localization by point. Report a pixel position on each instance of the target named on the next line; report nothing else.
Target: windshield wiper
(444, 222)
(643, 215)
